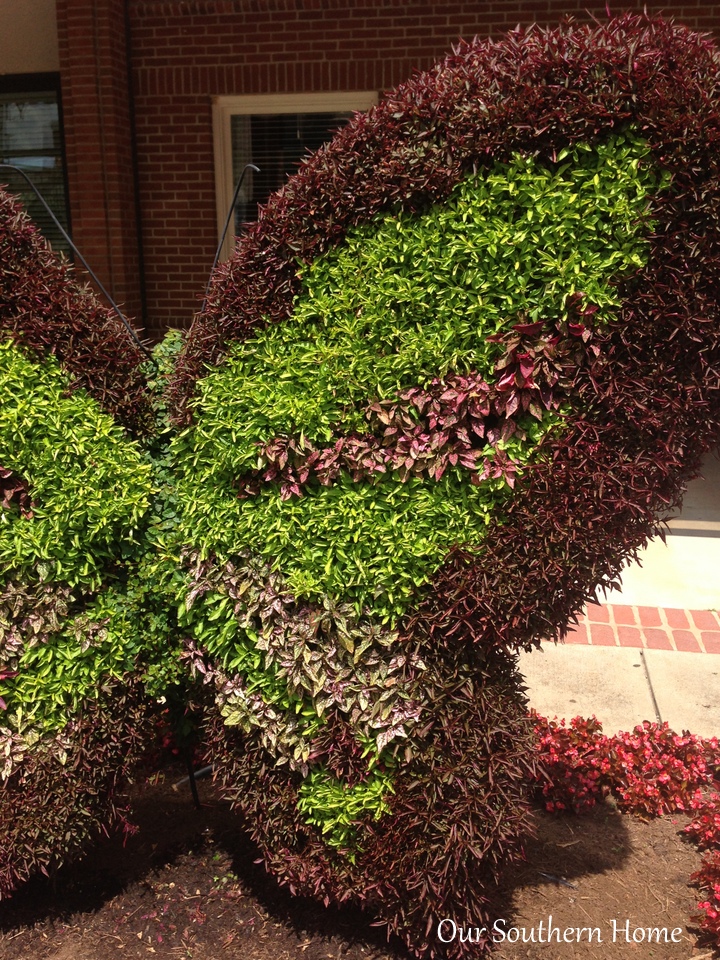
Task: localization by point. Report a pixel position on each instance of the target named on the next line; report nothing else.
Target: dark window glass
(276, 143)
(31, 139)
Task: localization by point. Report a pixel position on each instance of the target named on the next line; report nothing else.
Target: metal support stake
(248, 166)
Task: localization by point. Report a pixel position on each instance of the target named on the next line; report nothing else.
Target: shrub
(649, 771)
(708, 879)
(60, 790)
(46, 310)
(447, 385)
(90, 486)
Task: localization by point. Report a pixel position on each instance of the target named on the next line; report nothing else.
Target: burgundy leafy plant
(45, 308)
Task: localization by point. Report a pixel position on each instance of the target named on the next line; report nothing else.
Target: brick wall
(183, 53)
(98, 143)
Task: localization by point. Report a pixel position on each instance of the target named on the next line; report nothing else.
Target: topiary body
(82, 616)
(461, 366)
(447, 385)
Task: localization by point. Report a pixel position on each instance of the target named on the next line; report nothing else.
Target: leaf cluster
(66, 787)
(410, 298)
(641, 403)
(88, 592)
(91, 485)
(47, 309)
(407, 297)
(285, 667)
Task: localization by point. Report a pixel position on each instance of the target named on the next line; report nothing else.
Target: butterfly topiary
(444, 388)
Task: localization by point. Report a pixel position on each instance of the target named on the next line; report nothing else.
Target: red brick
(624, 614)
(657, 639)
(711, 641)
(677, 618)
(602, 635)
(684, 640)
(649, 616)
(705, 619)
(578, 634)
(597, 613)
(630, 636)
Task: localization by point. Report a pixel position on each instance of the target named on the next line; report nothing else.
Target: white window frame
(225, 107)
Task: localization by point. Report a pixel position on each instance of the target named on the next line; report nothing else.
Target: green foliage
(157, 372)
(127, 630)
(90, 484)
(369, 544)
(334, 807)
(409, 298)
(404, 300)
(102, 510)
(232, 641)
(56, 676)
(51, 311)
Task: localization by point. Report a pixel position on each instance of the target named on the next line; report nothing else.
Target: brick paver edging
(654, 628)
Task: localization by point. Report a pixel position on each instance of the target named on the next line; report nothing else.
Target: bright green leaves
(336, 808)
(408, 298)
(90, 484)
(404, 300)
(57, 673)
(371, 544)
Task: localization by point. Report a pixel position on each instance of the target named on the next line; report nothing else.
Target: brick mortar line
(691, 628)
(611, 622)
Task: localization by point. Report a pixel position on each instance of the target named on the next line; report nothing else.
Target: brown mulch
(187, 887)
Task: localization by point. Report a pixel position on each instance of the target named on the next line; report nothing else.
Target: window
(274, 132)
(31, 139)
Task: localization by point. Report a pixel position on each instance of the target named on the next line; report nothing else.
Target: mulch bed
(187, 885)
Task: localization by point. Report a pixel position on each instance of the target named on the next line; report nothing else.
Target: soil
(187, 886)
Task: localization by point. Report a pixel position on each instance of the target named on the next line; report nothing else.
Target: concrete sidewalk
(622, 686)
(650, 650)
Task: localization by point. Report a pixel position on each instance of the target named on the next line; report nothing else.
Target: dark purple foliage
(45, 308)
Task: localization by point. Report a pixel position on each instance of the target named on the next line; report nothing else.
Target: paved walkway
(625, 664)
(650, 650)
(653, 628)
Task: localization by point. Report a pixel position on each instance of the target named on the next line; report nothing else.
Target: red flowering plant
(650, 771)
(704, 828)
(708, 879)
(657, 771)
(575, 765)
(704, 831)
